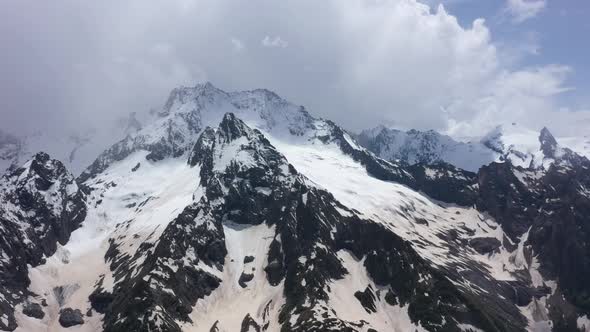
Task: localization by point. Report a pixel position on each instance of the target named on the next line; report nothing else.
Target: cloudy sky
(460, 66)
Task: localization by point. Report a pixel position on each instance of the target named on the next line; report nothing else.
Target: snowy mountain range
(518, 144)
(239, 211)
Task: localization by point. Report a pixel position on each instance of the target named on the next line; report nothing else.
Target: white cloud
(358, 62)
(526, 97)
(522, 10)
(237, 45)
(274, 42)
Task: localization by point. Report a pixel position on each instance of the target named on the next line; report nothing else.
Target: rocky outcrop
(41, 207)
(69, 317)
(548, 143)
(445, 182)
(485, 245)
(550, 208)
(33, 310)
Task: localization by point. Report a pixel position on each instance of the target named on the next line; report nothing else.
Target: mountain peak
(41, 157)
(41, 172)
(189, 110)
(207, 85)
(229, 117)
(208, 89)
(234, 145)
(232, 128)
(548, 143)
(181, 95)
(493, 140)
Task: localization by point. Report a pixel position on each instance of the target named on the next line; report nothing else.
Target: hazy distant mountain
(515, 143)
(75, 149)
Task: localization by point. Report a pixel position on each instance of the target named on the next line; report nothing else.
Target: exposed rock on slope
(40, 206)
(549, 208)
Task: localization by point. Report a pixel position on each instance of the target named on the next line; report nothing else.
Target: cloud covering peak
(358, 62)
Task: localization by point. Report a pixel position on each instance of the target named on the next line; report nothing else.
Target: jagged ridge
(40, 207)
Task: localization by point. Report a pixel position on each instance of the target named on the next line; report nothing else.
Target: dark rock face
(275, 270)
(552, 206)
(445, 182)
(248, 259)
(548, 143)
(214, 328)
(432, 298)
(367, 299)
(69, 317)
(33, 310)
(52, 219)
(485, 245)
(41, 207)
(244, 279)
(506, 198)
(100, 299)
(249, 325)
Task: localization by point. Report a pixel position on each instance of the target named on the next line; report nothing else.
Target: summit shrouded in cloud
(362, 63)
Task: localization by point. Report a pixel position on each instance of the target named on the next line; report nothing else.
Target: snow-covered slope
(129, 206)
(268, 219)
